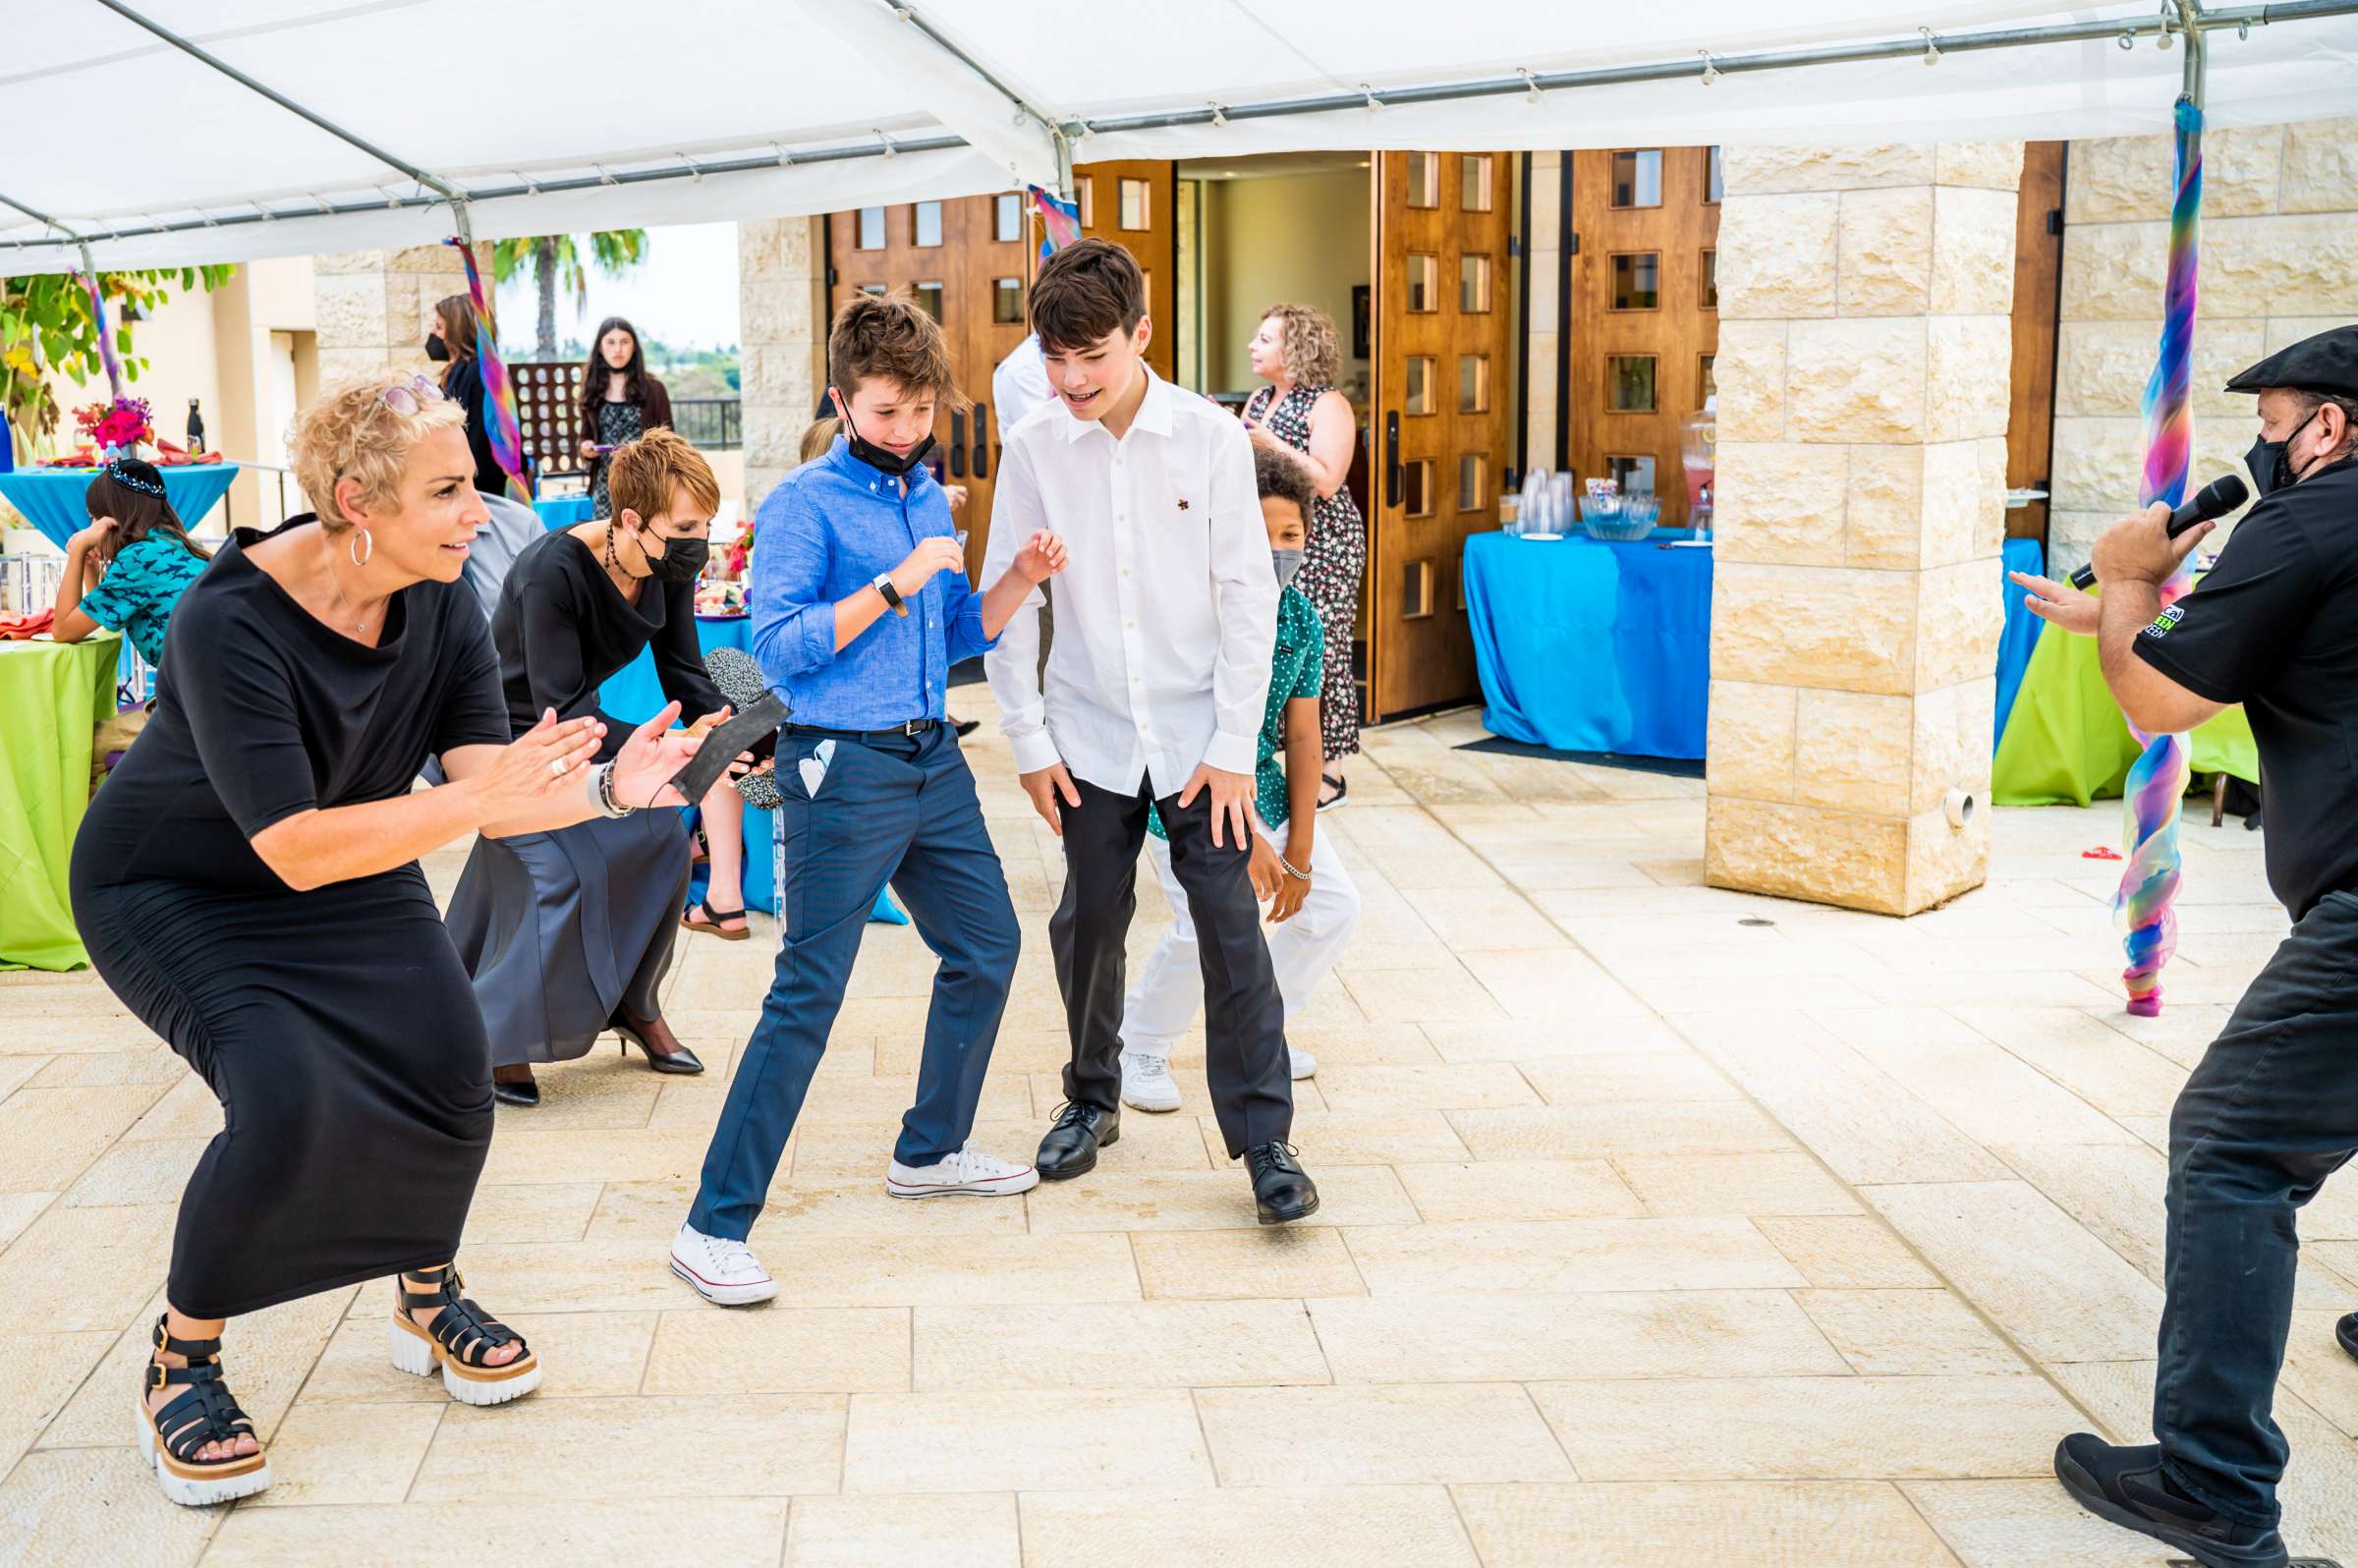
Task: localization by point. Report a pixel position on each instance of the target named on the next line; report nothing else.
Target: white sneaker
(968, 1171)
(1303, 1063)
(1147, 1083)
(723, 1271)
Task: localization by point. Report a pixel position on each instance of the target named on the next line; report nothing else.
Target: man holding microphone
(2273, 1109)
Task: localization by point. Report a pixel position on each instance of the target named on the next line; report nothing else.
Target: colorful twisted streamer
(2157, 782)
(499, 390)
(1059, 220)
(106, 337)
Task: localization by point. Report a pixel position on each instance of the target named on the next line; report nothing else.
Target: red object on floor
(2100, 853)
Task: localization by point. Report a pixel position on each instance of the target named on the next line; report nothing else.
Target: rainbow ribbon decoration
(1059, 220)
(506, 426)
(2157, 782)
(106, 337)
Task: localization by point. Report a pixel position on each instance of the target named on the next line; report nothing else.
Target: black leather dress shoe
(2129, 1488)
(1071, 1147)
(525, 1092)
(1283, 1190)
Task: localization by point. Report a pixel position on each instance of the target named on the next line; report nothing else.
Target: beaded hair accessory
(124, 477)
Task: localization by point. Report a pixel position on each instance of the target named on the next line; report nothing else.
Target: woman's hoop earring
(352, 546)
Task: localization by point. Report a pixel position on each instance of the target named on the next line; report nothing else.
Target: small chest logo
(2165, 620)
(1183, 503)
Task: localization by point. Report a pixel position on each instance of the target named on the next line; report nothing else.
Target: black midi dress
(565, 932)
(335, 1025)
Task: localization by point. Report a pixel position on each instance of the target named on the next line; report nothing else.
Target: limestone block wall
(2280, 261)
(373, 307)
(1864, 349)
(782, 330)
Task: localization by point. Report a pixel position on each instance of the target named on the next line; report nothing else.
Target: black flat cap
(2327, 362)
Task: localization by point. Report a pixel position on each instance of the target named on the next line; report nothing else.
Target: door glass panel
(1472, 474)
(1711, 175)
(1629, 384)
(1635, 474)
(1416, 487)
(928, 297)
(1637, 177)
(1638, 280)
(1007, 218)
(872, 229)
(1134, 204)
(1474, 182)
(1423, 283)
(1420, 378)
(875, 289)
(1473, 383)
(1474, 283)
(1710, 382)
(1415, 591)
(1007, 301)
(929, 223)
(1711, 280)
(1084, 197)
(1424, 179)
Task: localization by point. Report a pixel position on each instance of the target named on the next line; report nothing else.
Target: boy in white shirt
(1152, 696)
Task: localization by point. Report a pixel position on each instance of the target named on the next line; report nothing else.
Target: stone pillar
(781, 291)
(374, 307)
(1864, 349)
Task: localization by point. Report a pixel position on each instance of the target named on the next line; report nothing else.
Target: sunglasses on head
(411, 396)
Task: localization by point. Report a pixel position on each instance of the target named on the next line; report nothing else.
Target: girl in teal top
(128, 568)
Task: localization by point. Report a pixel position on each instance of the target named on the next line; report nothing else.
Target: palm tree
(555, 257)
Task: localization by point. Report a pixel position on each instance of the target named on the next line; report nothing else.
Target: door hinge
(2054, 220)
(1572, 242)
(1514, 245)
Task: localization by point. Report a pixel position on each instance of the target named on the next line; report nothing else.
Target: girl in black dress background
(248, 884)
(570, 933)
(620, 402)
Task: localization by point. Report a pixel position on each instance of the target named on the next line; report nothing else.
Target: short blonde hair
(818, 436)
(350, 433)
(643, 474)
(1307, 344)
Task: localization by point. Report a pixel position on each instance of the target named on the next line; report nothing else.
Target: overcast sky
(684, 294)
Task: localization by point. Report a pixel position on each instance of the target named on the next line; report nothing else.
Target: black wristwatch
(892, 595)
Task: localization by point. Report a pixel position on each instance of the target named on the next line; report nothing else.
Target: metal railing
(714, 423)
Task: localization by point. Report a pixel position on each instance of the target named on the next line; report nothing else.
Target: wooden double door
(970, 261)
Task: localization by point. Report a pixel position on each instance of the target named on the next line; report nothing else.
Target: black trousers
(1245, 1057)
(2270, 1113)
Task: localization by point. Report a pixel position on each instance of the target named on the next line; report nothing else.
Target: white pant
(1165, 997)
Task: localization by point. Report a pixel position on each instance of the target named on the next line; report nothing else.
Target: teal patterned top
(1295, 670)
(138, 592)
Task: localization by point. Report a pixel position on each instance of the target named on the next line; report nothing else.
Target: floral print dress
(1333, 564)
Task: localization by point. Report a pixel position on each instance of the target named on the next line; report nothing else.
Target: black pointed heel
(681, 1061)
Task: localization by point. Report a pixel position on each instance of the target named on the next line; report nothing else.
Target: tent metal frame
(2178, 19)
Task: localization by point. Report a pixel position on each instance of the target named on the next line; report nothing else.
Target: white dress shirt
(1166, 611)
(1019, 385)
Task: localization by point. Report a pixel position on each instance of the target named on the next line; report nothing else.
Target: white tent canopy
(316, 128)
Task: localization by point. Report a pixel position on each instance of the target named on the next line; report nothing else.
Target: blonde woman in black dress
(1301, 414)
(248, 884)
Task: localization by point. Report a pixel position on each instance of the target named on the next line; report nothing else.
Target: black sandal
(462, 1336)
(205, 1412)
(714, 917)
(1327, 803)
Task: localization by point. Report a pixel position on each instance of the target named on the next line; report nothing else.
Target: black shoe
(524, 1092)
(2127, 1486)
(1071, 1147)
(1283, 1190)
(965, 727)
(2345, 1334)
(681, 1061)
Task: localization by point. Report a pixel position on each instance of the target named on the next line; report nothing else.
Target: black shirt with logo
(2275, 627)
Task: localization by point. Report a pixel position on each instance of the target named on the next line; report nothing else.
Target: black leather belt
(907, 727)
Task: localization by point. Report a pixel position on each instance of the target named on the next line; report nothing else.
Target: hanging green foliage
(47, 332)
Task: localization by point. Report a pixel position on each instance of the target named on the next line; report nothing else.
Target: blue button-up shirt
(823, 534)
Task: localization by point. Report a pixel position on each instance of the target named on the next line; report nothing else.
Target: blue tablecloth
(2021, 632)
(564, 510)
(1589, 646)
(51, 498)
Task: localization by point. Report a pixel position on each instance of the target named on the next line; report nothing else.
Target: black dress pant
(1245, 1055)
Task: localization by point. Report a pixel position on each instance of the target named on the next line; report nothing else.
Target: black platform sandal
(1327, 803)
(462, 1336)
(170, 1438)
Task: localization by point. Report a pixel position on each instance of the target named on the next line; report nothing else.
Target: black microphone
(2213, 500)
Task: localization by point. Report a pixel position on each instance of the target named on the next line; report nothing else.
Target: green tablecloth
(2066, 743)
(52, 696)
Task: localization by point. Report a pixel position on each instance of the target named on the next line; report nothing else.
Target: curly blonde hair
(1313, 353)
(350, 433)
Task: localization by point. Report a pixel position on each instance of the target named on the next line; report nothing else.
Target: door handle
(1391, 458)
(956, 446)
(981, 440)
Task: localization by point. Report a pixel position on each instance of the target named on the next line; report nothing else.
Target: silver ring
(558, 767)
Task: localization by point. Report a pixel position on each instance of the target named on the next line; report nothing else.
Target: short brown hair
(1306, 344)
(889, 337)
(643, 474)
(1284, 477)
(1086, 290)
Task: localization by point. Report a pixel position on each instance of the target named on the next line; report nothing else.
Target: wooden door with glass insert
(1130, 201)
(967, 262)
(1645, 316)
(1445, 360)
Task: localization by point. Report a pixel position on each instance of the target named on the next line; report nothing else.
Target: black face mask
(876, 457)
(435, 349)
(681, 561)
(2271, 469)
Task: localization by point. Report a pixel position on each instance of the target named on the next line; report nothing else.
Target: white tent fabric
(624, 102)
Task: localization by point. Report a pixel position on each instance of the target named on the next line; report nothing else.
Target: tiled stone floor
(1663, 1225)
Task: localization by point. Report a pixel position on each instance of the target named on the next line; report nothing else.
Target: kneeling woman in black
(569, 934)
(248, 884)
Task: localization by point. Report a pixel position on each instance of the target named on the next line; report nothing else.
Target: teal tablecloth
(564, 510)
(51, 498)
